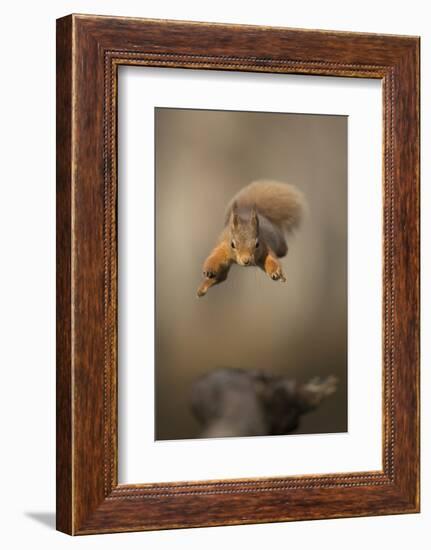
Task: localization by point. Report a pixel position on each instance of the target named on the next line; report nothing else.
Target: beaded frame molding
(89, 51)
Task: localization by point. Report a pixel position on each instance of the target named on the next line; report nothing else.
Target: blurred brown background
(298, 329)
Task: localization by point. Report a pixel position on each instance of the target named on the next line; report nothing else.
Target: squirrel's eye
(257, 243)
(232, 244)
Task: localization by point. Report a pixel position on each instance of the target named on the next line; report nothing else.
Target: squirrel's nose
(246, 261)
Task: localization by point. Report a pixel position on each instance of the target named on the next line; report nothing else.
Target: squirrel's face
(244, 233)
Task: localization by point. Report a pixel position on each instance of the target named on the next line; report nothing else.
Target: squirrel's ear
(234, 215)
(254, 217)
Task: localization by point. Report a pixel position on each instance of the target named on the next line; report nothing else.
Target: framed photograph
(237, 274)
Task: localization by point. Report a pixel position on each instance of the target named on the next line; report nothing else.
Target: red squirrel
(257, 220)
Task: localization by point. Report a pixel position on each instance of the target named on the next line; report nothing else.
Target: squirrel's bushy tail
(281, 203)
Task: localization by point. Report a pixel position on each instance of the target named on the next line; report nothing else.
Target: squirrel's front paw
(274, 270)
(204, 286)
(215, 270)
(278, 275)
(211, 277)
(211, 268)
(202, 290)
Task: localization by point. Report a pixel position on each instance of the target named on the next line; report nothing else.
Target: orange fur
(273, 268)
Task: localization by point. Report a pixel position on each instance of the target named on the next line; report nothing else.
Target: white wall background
(27, 279)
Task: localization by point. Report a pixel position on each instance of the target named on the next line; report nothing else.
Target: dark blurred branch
(236, 402)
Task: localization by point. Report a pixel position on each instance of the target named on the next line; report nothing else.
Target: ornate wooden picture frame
(89, 51)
